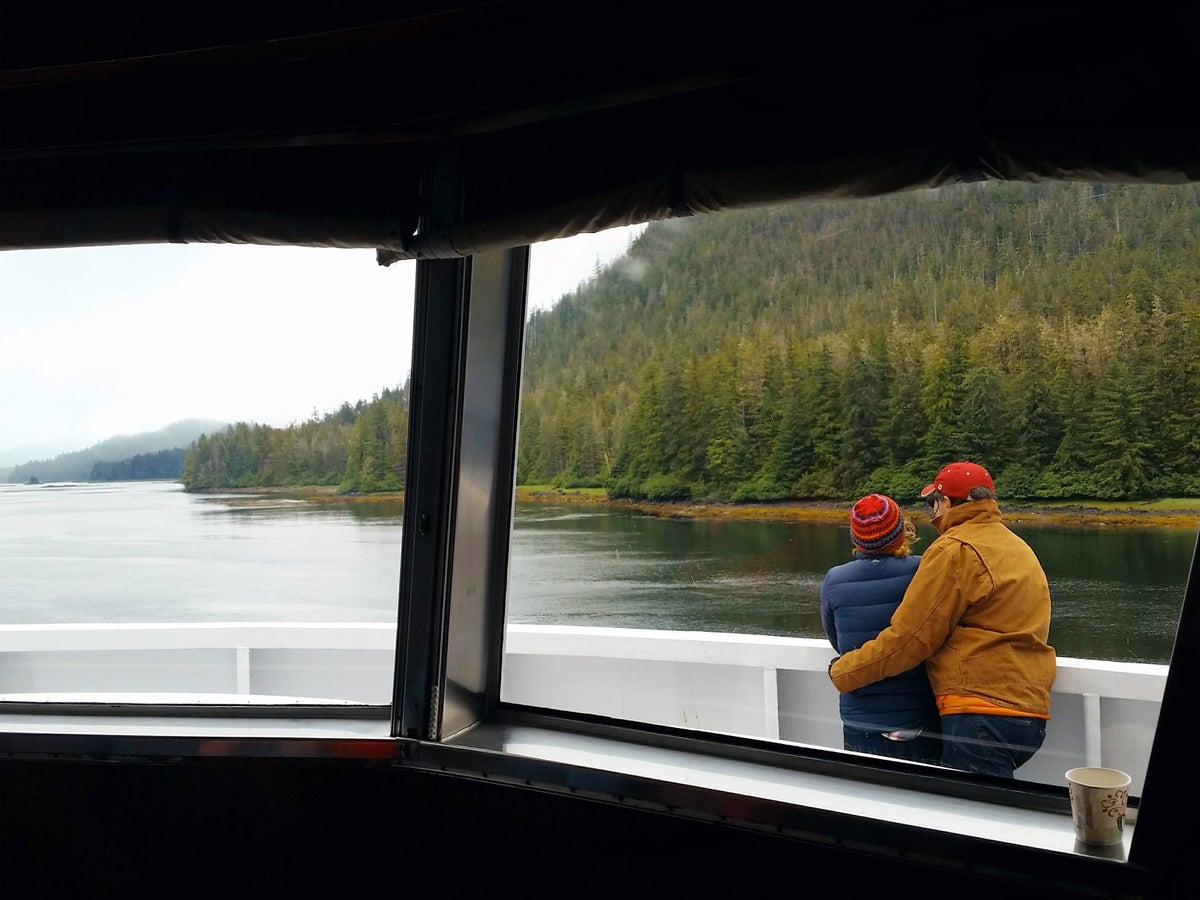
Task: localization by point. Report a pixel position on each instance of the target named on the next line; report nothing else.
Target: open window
(204, 459)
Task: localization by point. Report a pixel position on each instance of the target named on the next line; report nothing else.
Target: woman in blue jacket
(897, 716)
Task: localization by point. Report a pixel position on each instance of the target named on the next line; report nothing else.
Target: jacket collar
(973, 511)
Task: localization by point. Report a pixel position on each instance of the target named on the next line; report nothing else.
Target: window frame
(499, 717)
(446, 713)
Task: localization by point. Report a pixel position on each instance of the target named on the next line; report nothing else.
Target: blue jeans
(990, 745)
(926, 748)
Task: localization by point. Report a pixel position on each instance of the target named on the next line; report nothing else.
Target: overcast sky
(104, 341)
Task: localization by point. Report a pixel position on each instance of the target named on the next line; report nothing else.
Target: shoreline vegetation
(1165, 513)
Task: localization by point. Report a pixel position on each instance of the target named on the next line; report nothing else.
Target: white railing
(773, 688)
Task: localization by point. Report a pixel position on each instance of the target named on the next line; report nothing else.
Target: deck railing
(774, 688)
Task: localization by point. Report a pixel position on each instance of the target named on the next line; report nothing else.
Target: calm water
(1116, 593)
(151, 553)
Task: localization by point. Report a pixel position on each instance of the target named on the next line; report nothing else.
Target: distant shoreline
(1156, 514)
(1153, 514)
(1178, 513)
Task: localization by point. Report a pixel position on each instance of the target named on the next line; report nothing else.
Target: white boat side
(758, 686)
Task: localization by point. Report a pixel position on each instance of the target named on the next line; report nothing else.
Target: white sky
(104, 341)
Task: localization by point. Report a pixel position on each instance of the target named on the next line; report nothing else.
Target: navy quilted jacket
(857, 602)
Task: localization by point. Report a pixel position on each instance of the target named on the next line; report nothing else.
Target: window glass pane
(201, 467)
(700, 412)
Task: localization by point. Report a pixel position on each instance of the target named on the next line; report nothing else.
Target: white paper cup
(1098, 798)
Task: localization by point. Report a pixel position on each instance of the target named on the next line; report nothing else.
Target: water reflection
(147, 552)
(1117, 593)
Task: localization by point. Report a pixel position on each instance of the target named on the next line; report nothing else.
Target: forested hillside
(117, 454)
(825, 350)
(360, 449)
(165, 465)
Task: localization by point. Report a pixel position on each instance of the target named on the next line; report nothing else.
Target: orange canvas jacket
(977, 612)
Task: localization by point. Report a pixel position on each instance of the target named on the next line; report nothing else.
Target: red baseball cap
(956, 480)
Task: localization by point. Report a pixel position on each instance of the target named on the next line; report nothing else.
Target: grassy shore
(1166, 513)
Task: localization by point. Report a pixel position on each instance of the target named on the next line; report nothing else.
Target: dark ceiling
(432, 129)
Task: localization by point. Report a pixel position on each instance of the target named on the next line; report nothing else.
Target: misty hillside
(827, 349)
(77, 465)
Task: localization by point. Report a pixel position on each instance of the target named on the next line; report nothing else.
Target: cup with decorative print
(1098, 799)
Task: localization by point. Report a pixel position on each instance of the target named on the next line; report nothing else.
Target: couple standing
(943, 657)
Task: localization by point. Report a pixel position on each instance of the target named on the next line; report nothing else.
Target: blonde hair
(910, 538)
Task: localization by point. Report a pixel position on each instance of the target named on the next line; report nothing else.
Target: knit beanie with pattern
(876, 526)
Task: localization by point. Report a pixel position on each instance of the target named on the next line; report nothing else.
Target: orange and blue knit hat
(876, 526)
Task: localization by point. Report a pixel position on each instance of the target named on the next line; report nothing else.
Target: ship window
(699, 401)
(699, 412)
(201, 473)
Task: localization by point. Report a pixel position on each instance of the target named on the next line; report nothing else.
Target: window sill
(990, 837)
(979, 833)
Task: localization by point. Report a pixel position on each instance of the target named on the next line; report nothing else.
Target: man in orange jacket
(977, 613)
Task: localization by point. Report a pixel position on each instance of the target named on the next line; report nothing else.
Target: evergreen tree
(943, 399)
(1119, 436)
(865, 394)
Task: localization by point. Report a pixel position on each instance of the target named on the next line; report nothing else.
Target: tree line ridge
(825, 350)
(820, 351)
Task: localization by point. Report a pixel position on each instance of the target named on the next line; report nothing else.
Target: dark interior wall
(320, 128)
(190, 828)
(287, 826)
(1037, 94)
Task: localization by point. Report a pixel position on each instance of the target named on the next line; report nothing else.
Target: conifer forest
(823, 350)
